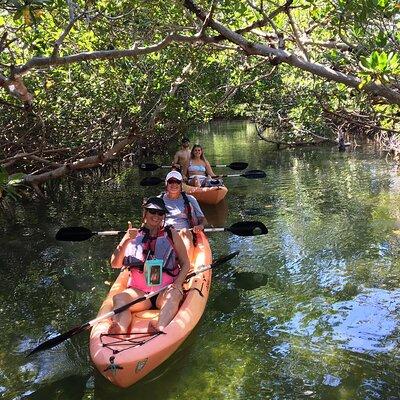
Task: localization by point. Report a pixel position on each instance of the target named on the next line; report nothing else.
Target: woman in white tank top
(198, 168)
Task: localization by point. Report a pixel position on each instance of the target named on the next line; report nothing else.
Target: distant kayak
(207, 195)
(124, 359)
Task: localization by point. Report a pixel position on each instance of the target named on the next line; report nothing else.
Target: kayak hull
(125, 359)
(207, 195)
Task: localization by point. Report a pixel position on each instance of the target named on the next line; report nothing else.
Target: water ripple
(369, 323)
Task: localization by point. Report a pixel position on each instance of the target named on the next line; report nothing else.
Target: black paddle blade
(150, 181)
(254, 174)
(49, 344)
(238, 165)
(248, 228)
(148, 166)
(224, 259)
(74, 234)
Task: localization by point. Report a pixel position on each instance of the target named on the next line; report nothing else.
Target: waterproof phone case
(153, 272)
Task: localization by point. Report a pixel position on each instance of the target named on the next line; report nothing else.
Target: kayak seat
(141, 320)
(147, 314)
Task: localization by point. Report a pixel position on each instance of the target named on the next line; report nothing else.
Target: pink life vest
(145, 247)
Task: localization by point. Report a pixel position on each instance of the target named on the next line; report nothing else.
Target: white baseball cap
(175, 175)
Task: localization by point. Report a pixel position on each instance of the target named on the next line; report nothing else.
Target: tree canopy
(83, 82)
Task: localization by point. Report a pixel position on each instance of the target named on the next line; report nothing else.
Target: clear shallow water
(310, 310)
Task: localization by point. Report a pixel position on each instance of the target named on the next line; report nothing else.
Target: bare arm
(176, 158)
(201, 219)
(119, 253)
(209, 170)
(185, 173)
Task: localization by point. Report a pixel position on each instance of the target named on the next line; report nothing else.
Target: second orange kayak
(207, 195)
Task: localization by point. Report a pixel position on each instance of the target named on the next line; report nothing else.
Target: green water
(309, 311)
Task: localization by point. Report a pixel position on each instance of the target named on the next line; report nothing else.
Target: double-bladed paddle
(237, 166)
(49, 344)
(252, 174)
(80, 233)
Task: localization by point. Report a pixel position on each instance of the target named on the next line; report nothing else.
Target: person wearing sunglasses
(156, 257)
(184, 212)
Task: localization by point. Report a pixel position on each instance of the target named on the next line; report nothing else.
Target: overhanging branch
(284, 56)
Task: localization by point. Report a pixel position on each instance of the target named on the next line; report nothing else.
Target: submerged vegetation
(83, 83)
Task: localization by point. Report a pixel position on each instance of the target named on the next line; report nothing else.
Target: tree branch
(47, 62)
(85, 163)
(208, 18)
(257, 24)
(250, 48)
(297, 35)
(60, 40)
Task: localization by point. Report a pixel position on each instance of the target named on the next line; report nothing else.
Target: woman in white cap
(184, 212)
(156, 257)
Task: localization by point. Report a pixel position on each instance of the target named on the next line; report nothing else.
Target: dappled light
(309, 310)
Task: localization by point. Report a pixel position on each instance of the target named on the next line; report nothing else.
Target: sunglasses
(170, 181)
(158, 212)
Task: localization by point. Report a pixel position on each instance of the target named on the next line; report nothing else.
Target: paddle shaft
(109, 233)
(215, 229)
(253, 174)
(113, 233)
(226, 176)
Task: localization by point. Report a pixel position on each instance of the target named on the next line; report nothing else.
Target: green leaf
(393, 62)
(365, 62)
(382, 3)
(374, 59)
(382, 61)
(16, 179)
(381, 39)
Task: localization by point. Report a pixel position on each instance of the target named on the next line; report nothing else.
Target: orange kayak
(207, 195)
(124, 359)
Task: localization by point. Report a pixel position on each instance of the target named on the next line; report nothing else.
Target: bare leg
(194, 182)
(187, 238)
(122, 320)
(168, 302)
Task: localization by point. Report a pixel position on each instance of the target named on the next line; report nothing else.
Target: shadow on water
(226, 301)
(249, 280)
(77, 283)
(70, 388)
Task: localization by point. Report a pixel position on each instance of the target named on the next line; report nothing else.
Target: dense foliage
(78, 77)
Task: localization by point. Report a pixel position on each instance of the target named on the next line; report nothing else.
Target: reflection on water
(216, 214)
(368, 323)
(310, 310)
